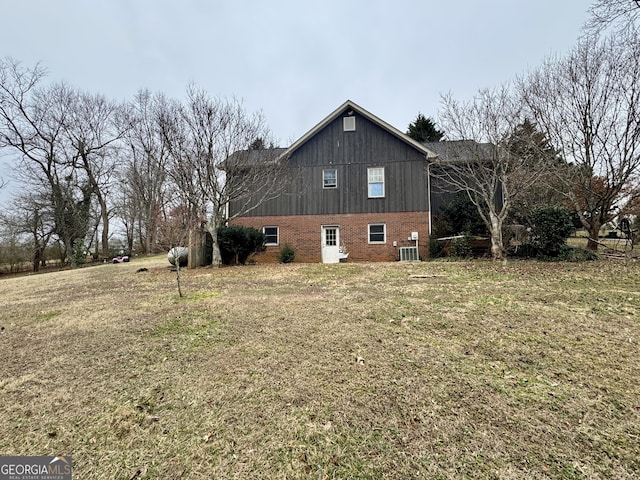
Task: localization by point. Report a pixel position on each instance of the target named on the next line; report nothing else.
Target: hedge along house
(360, 193)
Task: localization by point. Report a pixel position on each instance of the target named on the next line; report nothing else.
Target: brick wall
(303, 233)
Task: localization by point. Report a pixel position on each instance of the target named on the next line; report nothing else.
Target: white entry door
(330, 244)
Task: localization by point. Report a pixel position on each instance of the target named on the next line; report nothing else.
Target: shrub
(238, 243)
(436, 249)
(575, 254)
(566, 254)
(525, 250)
(550, 230)
(461, 247)
(287, 254)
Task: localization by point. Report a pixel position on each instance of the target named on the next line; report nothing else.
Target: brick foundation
(303, 233)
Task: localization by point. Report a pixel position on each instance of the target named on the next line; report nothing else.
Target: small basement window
(377, 233)
(270, 235)
(349, 124)
(330, 178)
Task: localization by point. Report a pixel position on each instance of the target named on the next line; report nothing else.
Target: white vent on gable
(349, 124)
(409, 254)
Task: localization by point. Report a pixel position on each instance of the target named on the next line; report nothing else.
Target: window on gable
(349, 124)
(377, 233)
(375, 177)
(270, 235)
(330, 178)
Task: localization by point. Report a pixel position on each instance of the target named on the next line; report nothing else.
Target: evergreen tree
(541, 159)
(462, 217)
(423, 129)
(257, 144)
(528, 142)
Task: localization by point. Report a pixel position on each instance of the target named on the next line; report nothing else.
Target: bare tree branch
(92, 133)
(618, 15)
(33, 121)
(210, 158)
(481, 161)
(589, 105)
(143, 177)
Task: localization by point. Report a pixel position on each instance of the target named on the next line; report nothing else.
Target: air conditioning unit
(409, 254)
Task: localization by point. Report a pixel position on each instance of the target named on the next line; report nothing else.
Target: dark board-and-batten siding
(351, 154)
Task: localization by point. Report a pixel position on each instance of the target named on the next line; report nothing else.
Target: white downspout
(429, 194)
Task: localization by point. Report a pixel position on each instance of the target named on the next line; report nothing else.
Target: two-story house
(361, 192)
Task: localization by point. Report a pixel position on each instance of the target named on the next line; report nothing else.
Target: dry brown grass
(431, 370)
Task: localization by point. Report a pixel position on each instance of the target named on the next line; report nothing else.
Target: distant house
(361, 192)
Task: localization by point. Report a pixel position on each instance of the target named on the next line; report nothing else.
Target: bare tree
(143, 175)
(174, 233)
(186, 164)
(30, 214)
(33, 121)
(13, 251)
(481, 161)
(620, 15)
(126, 212)
(211, 160)
(589, 106)
(92, 133)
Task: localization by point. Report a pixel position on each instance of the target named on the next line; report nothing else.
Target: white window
(377, 233)
(330, 178)
(376, 182)
(349, 124)
(270, 235)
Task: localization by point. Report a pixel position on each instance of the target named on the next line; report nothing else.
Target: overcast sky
(296, 61)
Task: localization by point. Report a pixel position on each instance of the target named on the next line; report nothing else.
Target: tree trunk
(36, 244)
(96, 251)
(142, 242)
(104, 213)
(497, 245)
(592, 242)
(216, 256)
(37, 257)
(178, 279)
(130, 234)
(196, 253)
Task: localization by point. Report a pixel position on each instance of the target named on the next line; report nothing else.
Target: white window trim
(384, 233)
(277, 234)
(336, 176)
(369, 182)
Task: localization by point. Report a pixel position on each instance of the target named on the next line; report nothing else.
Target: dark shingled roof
(250, 158)
(461, 150)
